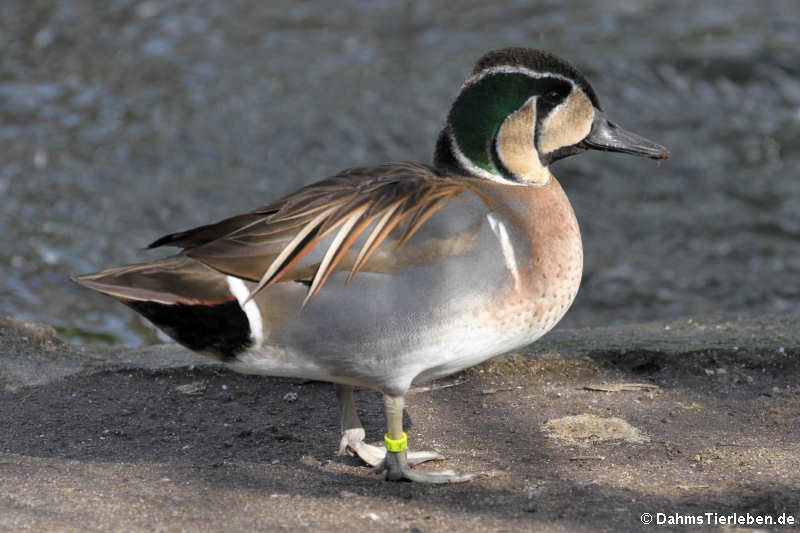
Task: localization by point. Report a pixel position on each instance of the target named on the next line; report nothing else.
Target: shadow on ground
(127, 445)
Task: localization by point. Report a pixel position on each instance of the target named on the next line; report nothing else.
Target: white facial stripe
(479, 171)
(568, 123)
(241, 292)
(515, 144)
(500, 231)
(508, 69)
(473, 168)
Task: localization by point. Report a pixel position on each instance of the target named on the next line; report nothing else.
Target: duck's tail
(199, 307)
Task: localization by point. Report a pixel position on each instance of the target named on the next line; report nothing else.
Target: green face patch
(482, 107)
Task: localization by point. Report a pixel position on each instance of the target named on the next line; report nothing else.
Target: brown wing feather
(267, 243)
(210, 232)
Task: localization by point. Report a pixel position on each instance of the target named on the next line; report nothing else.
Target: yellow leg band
(396, 445)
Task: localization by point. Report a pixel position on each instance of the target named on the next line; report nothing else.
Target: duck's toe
(418, 457)
(352, 443)
(398, 469)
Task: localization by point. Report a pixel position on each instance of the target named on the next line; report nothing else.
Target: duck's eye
(554, 95)
(554, 92)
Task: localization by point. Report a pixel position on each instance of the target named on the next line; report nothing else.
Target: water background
(123, 120)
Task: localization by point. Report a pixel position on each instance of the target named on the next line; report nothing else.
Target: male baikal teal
(390, 275)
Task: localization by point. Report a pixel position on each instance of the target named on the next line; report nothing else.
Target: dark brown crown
(537, 61)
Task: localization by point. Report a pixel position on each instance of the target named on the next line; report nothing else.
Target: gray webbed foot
(399, 469)
(397, 460)
(396, 463)
(352, 443)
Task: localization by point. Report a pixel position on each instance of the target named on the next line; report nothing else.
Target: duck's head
(520, 110)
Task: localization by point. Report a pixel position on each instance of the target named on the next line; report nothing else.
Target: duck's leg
(396, 463)
(352, 431)
(352, 441)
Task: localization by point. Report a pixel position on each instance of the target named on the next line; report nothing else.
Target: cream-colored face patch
(567, 124)
(515, 146)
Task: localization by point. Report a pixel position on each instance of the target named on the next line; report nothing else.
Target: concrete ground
(587, 430)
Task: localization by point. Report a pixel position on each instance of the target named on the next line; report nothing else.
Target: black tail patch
(221, 329)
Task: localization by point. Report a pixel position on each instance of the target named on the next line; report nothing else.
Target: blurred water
(123, 120)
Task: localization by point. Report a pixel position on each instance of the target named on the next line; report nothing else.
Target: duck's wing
(363, 205)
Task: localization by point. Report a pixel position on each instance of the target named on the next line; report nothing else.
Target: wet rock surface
(159, 440)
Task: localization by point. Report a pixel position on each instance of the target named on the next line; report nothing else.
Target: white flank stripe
(501, 232)
(239, 290)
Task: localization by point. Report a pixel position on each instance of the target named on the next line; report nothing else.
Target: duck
(396, 274)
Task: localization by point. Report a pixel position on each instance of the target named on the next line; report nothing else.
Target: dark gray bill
(607, 136)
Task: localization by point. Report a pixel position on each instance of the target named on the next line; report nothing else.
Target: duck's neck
(444, 158)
